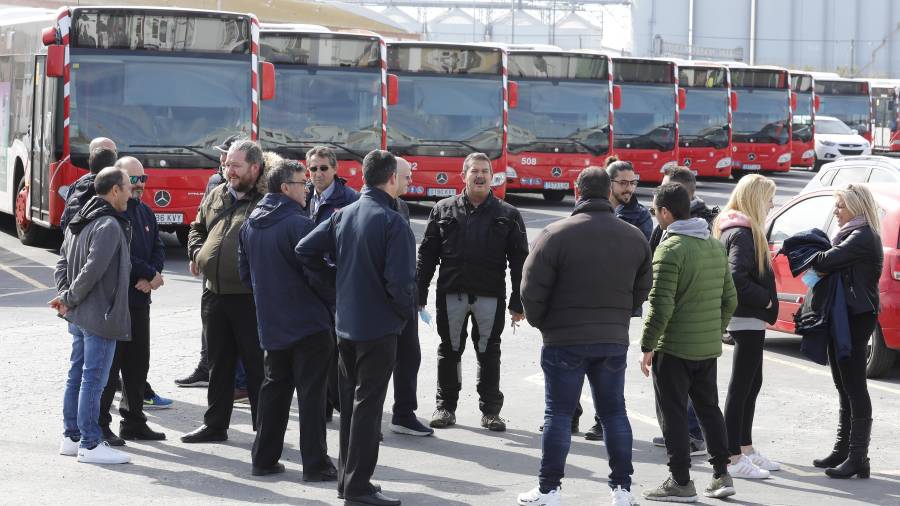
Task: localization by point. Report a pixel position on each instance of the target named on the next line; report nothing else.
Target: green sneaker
(720, 487)
(671, 491)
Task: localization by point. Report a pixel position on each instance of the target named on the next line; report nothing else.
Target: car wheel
(879, 358)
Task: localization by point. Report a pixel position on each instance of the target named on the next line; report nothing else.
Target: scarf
(854, 223)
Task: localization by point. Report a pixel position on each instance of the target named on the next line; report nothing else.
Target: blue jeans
(92, 357)
(564, 370)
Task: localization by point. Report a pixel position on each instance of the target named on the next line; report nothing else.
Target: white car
(835, 139)
(856, 169)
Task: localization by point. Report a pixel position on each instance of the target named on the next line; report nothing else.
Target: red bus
(167, 85)
(453, 101)
(563, 121)
(762, 124)
(803, 122)
(704, 126)
(848, 100)
(886, 104)
(332, 90)
(646, 124)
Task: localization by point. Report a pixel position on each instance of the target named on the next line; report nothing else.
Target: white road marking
(24, 292)
(22, 277)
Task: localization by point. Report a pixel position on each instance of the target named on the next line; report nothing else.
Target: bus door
(41, 140)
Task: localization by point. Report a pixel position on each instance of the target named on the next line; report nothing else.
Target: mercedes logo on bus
(751, 156)
(687, 162)
(162, 198)
(556, 171)
(441, 178)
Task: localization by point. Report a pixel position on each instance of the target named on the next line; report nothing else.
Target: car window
(814, 212)
(828, 176)
(880, 175)
(847, 175)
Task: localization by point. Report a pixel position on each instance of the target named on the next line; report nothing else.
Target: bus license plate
(169, 218)
(556, 185)
(441, 192)
(754, 166)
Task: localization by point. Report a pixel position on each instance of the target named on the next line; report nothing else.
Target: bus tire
(817, 165)
(182, 234)
(879, 358)
(554, 195)
(737, 174)
(28, 232)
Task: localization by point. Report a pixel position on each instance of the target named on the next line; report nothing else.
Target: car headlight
(826, 143)
(784, 158)
(725, 162)
(63, 190)
(498, 179)
(668, 166)
(511, 173)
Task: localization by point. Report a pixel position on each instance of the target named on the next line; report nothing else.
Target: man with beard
(132, 358)
(624, 183)
(227, 305)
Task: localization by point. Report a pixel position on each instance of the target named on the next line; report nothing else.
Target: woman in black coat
(857, 255)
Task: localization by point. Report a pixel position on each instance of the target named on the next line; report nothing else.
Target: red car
(815, 210)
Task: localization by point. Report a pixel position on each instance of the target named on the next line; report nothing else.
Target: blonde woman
(740, 228)
(857, 255)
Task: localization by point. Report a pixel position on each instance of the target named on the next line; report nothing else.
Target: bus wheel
(554, 195)
(737, 174)
(29, 233)
(817, 165)
(182, 234)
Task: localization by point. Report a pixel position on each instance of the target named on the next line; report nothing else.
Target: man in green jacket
(690, 274)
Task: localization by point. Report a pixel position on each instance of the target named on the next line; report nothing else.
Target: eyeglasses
(294, 182)
(626, 182)
(652, 210)
(323, 168)
(139, 179)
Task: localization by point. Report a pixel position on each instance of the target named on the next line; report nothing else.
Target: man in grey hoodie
(92, 277)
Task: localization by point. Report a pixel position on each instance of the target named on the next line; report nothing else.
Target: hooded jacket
(693, 295)
(93, 271)
(755, 291)
(77, 196)
(636, 214)
(287, 306)
(699, 209)
(584, 277)
(341, 196)
(148, 254)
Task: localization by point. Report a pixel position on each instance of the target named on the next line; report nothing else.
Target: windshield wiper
(195, 149)
(308, 144)
(440, 142)
(564, 140)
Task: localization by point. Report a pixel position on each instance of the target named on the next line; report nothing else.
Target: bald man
(133, 358)
(102, 142)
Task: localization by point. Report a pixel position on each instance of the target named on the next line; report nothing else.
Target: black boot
(841, 445)
(857, 462)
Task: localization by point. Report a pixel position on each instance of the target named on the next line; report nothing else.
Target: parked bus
(167, 85)
(803, 121)
(646, 124)
(331, 91)
(762, 124)
(704, 126)
(886, 104)
(848, 100)
(453, 101)
(563, 120)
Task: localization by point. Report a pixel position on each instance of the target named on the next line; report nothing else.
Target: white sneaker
(534, 497)
(747, 470)
(621, 497)
(761, 461)
(102, 454)
(68, 447)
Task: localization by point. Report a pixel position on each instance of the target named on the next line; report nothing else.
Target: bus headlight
(723, 163)
(809, 153)
(784, 158)
(498, 179)
(511, 173)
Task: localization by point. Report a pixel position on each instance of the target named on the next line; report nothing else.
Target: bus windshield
(762, 116)
(560, 117)
(851, 109)
(801, 125)
(704, 122)
(646, 119)
(447, 116)
(321, 105)
(179, 105)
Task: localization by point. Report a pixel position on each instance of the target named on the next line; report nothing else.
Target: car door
(811, 211)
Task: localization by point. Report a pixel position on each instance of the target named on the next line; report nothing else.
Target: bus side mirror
(817, 102)
(734, 101)
(617, 97)
(513, 90)
(393, 89)
(56, 60)
(268, 81)
(48, 35)
(682, 98)
(793, 101)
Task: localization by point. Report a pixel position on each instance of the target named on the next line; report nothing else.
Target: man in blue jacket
(294, 326)
(374, 250)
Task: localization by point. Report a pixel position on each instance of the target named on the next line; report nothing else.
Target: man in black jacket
(132, 358)
(373, 248)
(472, 236)
(699, 209)
(102, 154)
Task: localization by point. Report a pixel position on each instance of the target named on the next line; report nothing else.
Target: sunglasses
(323, 168)
(139, 179)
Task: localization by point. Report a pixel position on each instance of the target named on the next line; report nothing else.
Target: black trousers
(333, 391)
(406, 372)
(299, 367)
(132, 358)
(364, 369)
(231, 328)
(850, 375)
(743, 389)
(674, 380)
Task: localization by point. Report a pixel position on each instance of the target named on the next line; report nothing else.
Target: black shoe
(493, 423)
(329, 473)
(110, 437)
(377, 488)
(595, 433)
(841, 445)
(197, 378)
(374, 499)
(857, 463)
(141, 432)
(265, 471)
(204, 434)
